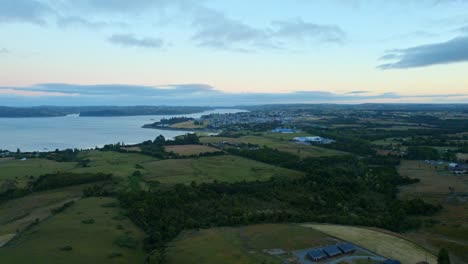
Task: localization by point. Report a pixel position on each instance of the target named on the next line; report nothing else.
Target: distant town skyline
(187, 52)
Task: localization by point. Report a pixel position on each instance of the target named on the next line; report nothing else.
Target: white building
(315, 139)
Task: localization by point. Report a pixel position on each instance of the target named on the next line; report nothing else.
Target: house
(332, 251)
(283, 130)
(316, 255)
(347, 248)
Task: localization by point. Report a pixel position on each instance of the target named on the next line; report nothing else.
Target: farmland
(189, 150)
(390, 246)
(242, 245)
(440, 187)
(278, 141)
(225, 168)
(68, 238)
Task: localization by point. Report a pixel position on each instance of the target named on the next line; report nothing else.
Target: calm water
(50, 133)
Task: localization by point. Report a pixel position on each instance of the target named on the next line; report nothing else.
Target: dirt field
(188, 150)
(384, 244)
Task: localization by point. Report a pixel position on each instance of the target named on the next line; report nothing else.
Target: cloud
(191, 94)
(70, 21)
(130, 40)
(303, 31)
(4, 51)
(215, 30)
(26, 11)
(451, 51)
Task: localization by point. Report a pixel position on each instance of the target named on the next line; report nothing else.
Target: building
(316, 255)
(315, 139)
(347, 248)
(332, 251)
(458, 168)
(283, 130)
(391, 261)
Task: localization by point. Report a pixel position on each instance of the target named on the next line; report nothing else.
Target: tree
(160, 140)
(443, 257)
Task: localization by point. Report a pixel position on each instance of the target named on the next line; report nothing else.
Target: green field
(21, 170)
(64, 238)
(383, 243)
(242, 245)
(224, 168)
(119, 164)
(188, 150)
(18, 213)
(278, 141)
(451, 229)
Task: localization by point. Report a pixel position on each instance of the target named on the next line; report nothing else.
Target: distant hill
(54, 111)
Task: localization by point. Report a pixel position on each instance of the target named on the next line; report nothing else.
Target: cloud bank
(191, 94)
(451, 51)
(130, 40)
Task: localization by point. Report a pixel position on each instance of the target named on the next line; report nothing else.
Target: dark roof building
(391, 261)
(316, 254)
(332, 251)
(347, 248)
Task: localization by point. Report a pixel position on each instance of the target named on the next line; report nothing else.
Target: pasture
(440, 187)
(21, 171)
(71, 237)
(17, 214)
(189, 150)
(119, 164)
(382, 243)
(242, 245)
(224, 168)
(274, 141)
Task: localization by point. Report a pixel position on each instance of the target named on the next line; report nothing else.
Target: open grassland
(224, 168)
(90, 231)
(462, 157)
(21, 171)
(242, 245)
(188, 150)
(119, 164)
(434, 179)
(451, 229)
(385, 244)
(17, 214)
(188, 125)
(301, 150)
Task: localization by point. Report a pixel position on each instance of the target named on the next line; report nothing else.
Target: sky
(220, 52)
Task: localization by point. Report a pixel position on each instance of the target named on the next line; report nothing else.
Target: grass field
(242, 245)
(119, 164)
(274, 141)
(224, 168)
(433, 180)
(462, 156)
(187, 150)
(451, 229)
(18, 213)
(20, 171)
(188, 125)
(64, 238)
(387, 245)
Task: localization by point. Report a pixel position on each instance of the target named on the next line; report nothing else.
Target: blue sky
(207, 52)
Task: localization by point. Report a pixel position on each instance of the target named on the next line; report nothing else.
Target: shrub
(88, 221)
(126, 241)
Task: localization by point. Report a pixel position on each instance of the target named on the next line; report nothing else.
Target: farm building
(315, 139)
(347, 248)
(316, 255)
(283, 130)
(458, 168)
(391, 261)
(332, 251)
